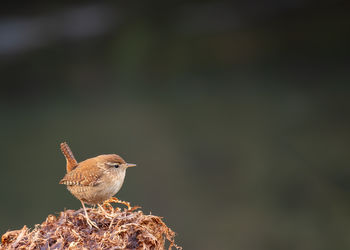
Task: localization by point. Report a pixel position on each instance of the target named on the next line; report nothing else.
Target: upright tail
(71, 161)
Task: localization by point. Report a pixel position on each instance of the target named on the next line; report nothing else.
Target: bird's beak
(129, 165)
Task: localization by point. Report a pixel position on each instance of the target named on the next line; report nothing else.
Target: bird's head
(114, 161)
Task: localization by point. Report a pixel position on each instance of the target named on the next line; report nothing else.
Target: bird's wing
(83, 175)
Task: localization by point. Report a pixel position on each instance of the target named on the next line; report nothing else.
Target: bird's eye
(116, 165)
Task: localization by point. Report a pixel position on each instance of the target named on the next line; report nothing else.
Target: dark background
(237, 115)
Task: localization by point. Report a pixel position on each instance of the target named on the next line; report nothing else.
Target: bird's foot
(91, 223)
(105, 213)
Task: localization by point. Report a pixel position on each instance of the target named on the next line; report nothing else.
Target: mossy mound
(120, 230)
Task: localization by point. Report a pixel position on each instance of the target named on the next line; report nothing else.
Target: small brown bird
(94, 180)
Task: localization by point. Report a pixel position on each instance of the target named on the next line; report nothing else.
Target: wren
(94, 180)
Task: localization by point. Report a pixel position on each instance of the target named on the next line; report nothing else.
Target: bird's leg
(90, 222)
(116, 200)
(105, 212)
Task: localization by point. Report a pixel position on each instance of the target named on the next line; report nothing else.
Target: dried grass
(120, 230)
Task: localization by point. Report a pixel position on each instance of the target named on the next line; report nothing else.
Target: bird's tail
(71, 161)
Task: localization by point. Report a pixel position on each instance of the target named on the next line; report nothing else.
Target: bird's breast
(112, 182)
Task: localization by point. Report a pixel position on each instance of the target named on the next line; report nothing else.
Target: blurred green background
(237, 114)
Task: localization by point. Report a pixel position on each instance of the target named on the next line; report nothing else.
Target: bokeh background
(237, 114)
